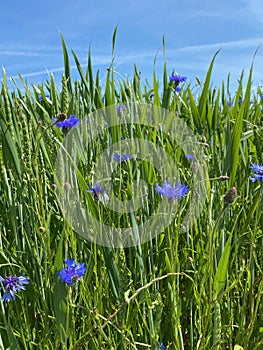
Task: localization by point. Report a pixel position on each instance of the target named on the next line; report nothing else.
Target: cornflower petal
(258, 172)
(257, 168)
(70, 122)
(121, 157)
(170, 192)
(99, 192)
(11, 285)
(190, 156)
(8, 296)
(177, 78)
(72, 273)
(23, 279)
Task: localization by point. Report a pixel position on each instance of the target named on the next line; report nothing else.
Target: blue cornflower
(72, 273)
(178, 89)
(98, 192)
(67, 123)
(11, 285)
(257, 168)
(121, 157)
(170, 192)
(120, 109)
(40, 97)
(190, 156)
(161, 346)
(256, 177)
(177, 78)
(230, 103)
(258, 172)
(150, 95)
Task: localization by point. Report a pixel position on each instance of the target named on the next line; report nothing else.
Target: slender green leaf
(114, 40)
(221, 271)
(66, 64)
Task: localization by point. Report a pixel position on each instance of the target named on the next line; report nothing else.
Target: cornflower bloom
(190, 156)
(72, 272)
(170, 192)
(150, 95)
(177, 78)
(11, 285)
(241, 101)
(121, 157)
(161, 346)
(98, 192)
(120, 109)
(68, 123)
(40, 97)
(258, 172)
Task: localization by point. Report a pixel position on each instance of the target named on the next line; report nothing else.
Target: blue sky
(193, 30)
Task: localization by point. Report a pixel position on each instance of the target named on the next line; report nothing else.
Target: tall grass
(196, 290)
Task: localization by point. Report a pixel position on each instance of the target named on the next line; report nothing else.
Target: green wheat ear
(54, 97)
(8, 112)
(26, 135)
(77, 98)
(65, 97)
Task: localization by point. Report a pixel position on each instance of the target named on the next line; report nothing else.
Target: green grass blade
(82, 75)
(205, 91)
(114, 40)
(66, 64)
(221, 271)
(237, 132)
(112, 272)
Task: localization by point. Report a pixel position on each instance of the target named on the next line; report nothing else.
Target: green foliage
(196, 290)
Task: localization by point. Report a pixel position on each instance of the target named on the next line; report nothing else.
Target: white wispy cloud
(97, 60)
(193, 59)
(256, 7)
(236, 44)
(22, 53)
(37, 50)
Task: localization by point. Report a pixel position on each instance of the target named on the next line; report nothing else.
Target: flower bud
(66, 186)
(230, 196)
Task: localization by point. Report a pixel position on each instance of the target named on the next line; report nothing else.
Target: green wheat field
(197, 290)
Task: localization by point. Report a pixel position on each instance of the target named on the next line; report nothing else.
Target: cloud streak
(97, 60)
(191, 59)
(22, 53)
(236, 44)
(256, 7)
